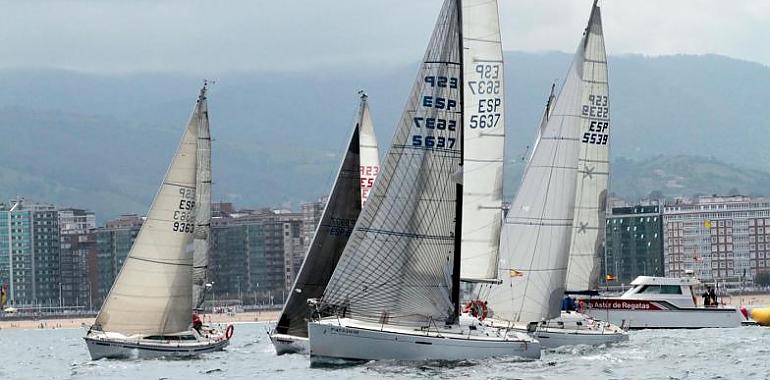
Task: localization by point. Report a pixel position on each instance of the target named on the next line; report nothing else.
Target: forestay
(483, 139)
(588, 234)
(537, 231)
(337, 221)
(397, 265)
(152, 294)
(202, 234)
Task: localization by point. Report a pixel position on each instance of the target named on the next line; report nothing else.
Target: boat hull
(341, 340)
(289, 344)
(102, 347)
(554, 338)
(639, 314)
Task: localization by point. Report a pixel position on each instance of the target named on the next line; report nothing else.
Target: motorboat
(662, 303)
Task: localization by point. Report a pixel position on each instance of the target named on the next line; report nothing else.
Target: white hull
(289, 344)
(661, 315)
(353, 340)
(572, 329)
(101, 345)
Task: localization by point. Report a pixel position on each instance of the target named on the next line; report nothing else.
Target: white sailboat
(148, 310)
(538, 230)
(355, 178)
(433, 214)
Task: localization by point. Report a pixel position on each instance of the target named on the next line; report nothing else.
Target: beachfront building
(634, 244)
(78, 258)
(720, 238)
(29, 253)
(113, 242)
(253, 254)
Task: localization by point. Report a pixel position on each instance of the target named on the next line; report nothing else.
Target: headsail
(340, 214)
(537, 231)
(397, 265)
(483, 140)
(588, 234)
(201, 242)
(152, 294)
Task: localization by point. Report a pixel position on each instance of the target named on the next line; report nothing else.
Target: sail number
(597, 107)
(433, 141)
(598, 130)
(184, 216)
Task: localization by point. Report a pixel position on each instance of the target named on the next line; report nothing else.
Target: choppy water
(742, 353)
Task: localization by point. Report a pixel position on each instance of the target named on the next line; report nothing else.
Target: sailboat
(538, 230)
(147, 312)
(433, 215)
(355, 179)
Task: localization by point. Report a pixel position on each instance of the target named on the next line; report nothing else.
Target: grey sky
(208, 37)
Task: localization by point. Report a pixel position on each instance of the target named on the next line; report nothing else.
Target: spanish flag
(3, 297)
(610, 277)
(515, 273)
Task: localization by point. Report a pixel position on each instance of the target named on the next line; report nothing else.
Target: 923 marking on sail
(184, 216)
(597, 110)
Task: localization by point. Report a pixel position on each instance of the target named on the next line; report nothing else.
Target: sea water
(739, 353)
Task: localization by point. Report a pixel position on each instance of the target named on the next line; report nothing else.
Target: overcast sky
(209, 37)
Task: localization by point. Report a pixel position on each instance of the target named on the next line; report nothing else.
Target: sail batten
(538, 230)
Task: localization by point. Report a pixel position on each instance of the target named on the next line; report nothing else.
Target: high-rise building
(29, 253)
(253, 254)
(718, 238)
(78, 258)
(634, 244)
(113, 242)
(311, 216)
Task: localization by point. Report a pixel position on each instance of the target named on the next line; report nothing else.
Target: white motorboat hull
(639, 314)
(353, 340)
(289, 344)
(104, 346)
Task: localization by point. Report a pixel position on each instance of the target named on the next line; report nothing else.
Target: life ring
(229, 332)
(477, 309)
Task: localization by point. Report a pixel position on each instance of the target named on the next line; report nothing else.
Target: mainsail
(587, 245)
(483, 140)
(369, 152)
(397, 266)
(537, 231)
(201, 242)
(339, 216)
(152, 293)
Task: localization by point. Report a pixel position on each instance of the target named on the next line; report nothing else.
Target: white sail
(483, 139)
(397, 265)
(202, 234)
(588, 234)
(369, 152)
(152, 294)
(537, 231)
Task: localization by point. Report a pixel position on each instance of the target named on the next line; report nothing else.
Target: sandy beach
(73, 323)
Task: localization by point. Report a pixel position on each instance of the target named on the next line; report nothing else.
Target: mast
(202, 234)
(457, 259)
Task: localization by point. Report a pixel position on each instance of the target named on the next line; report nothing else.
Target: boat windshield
(660, 289)
(170, 337)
